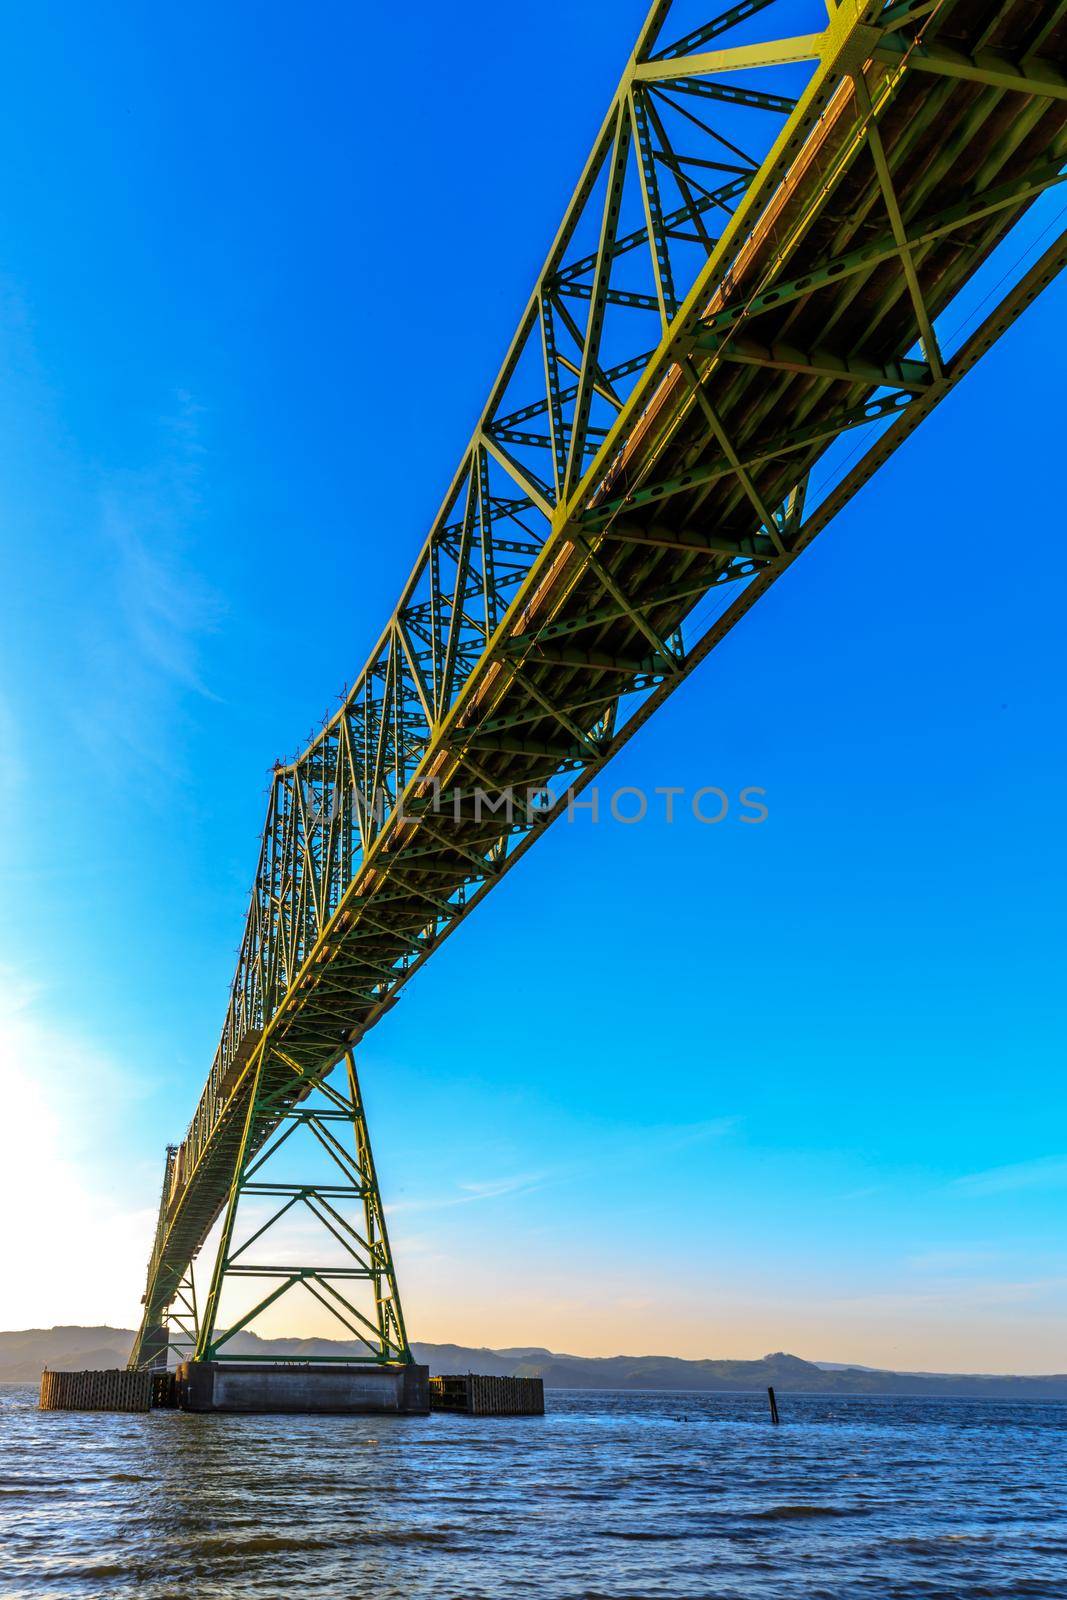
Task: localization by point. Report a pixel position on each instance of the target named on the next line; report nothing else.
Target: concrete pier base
(339, 1390)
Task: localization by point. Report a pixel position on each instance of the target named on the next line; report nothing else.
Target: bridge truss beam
(664, 438)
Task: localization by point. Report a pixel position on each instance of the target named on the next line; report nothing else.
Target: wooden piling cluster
(472, 1395)
(112, 1390)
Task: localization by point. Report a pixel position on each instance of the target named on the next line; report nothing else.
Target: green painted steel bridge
(748, 306)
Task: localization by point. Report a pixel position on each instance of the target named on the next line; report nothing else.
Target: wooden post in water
(774, 1404)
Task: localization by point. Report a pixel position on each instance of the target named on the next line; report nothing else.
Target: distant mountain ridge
(24, 1354)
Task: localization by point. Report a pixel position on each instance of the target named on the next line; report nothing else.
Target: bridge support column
(359, 1287)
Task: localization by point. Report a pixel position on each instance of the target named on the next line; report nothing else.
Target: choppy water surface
(610, 1497)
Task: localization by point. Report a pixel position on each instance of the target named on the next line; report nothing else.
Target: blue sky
(701, 1090)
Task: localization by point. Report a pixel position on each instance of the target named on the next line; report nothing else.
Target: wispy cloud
(607, 1153)
(953, 1258)
(145, 642)
(1046, 1172)
(679, 1136)
(622, 1147)
(478, 1189)
(165, 608)
(955, 1297)
(493, 1188)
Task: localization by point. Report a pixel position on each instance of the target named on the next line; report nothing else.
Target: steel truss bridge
(745, 310)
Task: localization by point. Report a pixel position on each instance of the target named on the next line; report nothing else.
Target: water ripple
(609, 1497)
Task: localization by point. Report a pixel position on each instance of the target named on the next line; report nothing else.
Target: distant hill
(23, 1355)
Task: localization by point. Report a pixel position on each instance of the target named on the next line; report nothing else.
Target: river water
(610, 1497)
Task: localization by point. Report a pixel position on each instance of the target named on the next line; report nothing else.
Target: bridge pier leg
(154, 1344)
(333, 1114)
(204, 1349)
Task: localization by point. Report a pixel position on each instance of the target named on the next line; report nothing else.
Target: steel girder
(707, 324)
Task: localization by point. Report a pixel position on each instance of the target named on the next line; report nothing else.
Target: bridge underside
(720, 352)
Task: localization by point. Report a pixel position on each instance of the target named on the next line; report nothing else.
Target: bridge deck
(552, 611)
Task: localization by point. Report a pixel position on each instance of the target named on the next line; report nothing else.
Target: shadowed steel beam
(574, 656)
(827, 273)
(903, 374)
(766, 516)
(1031, 76)
(762, 549)
(755, 455)
(900, 232)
